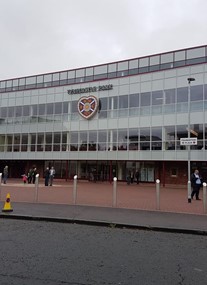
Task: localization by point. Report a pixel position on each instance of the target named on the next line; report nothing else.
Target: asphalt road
(38, 252)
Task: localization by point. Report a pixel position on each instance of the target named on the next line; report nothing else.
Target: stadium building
(111, 119)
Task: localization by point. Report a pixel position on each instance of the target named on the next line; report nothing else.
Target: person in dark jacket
(47, 175)
(196, 183)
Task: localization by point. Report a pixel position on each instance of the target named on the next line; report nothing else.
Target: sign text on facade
(188, 141)
(90, 89)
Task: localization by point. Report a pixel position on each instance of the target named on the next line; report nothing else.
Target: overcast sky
(40, 36)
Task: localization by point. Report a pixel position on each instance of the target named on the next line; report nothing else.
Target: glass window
(56, 76)
(180, 55)
(41, 109)
(63, 75)
(156, 137)
(18, 111)
(145, 139)
(33, 142)
(80, 72)
(145, 99)
(112, 67)
(122, 139)
(33, 110)
(49, 108)
(22, 81)
(133, 100)
(83, 141)
(133, 139)
(16, 146)
(3, 112)
(74, 106)
(102, 140)
(65, 107)
(103, 102)
(47, 77)
(10, 112)
(24, 142)
(92, 139)
(64, 142)
(167, 57)
(196, 52)
(157, 97)
(113, 103)
(169, 96)
(40, 79)
(9, 83)
(74, 141)
(169, 137)
(57, 140)
(101, 69)
(89, 71)
(123, 65)
(26, 110)
(196, 93)
(123, 102)
(71, 74)
(31, 80)
(40, 142)
(102, 136)
(182, 94)
(133, 64)
(143, 62)
(58, 108)
(154, 60)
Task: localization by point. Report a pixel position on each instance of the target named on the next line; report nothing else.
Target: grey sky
(39, 36)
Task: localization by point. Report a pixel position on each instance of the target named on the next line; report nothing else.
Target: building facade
(109, 120)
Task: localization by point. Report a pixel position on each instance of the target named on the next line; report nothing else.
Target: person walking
(5, 174)
(34, 173)
(196, 182)
(47, 176)
(137, 176)
(51, 176)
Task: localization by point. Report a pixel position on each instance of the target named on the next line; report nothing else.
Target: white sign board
(188, 141)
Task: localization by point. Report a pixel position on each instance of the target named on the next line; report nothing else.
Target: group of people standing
(131, 177)
(49, 176)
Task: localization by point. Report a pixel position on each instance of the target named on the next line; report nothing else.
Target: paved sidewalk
(136, 205)
(140, 219)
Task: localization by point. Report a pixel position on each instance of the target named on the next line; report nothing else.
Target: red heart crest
(87, 106)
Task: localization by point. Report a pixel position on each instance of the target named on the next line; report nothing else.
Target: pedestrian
(29, 176)
(24, 178)
(51, 176)
(34, 173)
(132, 177)
(47, 175)
(128, 178)
(137, 176)
(196, 183)
(5, 174)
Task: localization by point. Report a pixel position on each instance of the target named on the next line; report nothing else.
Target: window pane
(133, 100)
(157, 98)
(182, 94)
(196, 93)
(145, 99)
(169, 96)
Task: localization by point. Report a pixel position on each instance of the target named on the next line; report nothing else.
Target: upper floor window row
(111, 70)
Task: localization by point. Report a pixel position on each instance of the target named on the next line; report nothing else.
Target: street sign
(188, 141)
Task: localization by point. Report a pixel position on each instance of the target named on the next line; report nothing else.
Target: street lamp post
(190, 79)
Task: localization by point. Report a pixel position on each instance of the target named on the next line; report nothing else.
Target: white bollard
(204, 197)
(189, 191)
(36, 187)
(75, 189)
(0, 184)
(114, 192)
(158, 194)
